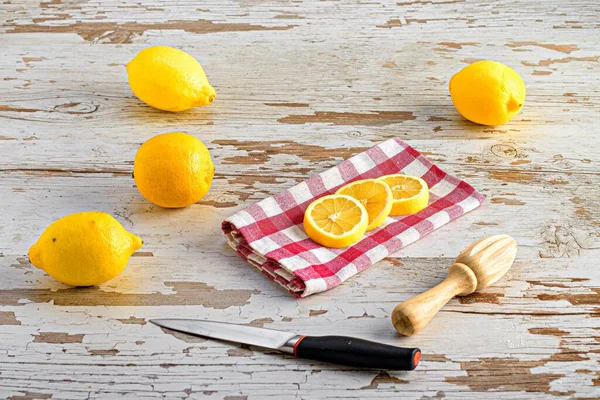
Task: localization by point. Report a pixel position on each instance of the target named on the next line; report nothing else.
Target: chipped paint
(548, 331)
(512, 176)
(364, 315)
(260, 322)
(507, 201)
(568, 355)
(183, 293)
(470, 60)
(374, 118)
(27, 60)
(132, 321)
(107, 352)
(481, 297)
(384, 378)
(8, 318)
(143, 254)
(261, 152)
(574, 298)
(239, 352)
(546, 63)
(55, 17)
(504, 374)
(184, 337)
(562, 48)
(68, 172)
(434, 357)
(520, 162)
(314, 313)
(457, 45)
(434, 118)
(557, 182)
(120, 33)
(218, 204)
(17, 109)
(73, 108)
(556, 284)
(395, 261)
(57, 338)
(391, 23)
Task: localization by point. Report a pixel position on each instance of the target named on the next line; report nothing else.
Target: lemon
(487, 92)
(336, 220)
(84, 249)
(411, 193)
(169, 79)
(173, 170)
(374, 195)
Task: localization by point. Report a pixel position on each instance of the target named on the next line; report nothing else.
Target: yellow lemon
(336, 220)
(84, 249)
(487, 92)
(375, 195)
(411, 193)
(169, 79)
(173, 170)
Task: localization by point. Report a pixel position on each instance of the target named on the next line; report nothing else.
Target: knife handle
(355, 352)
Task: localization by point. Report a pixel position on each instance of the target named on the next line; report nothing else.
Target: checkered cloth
(269, 234)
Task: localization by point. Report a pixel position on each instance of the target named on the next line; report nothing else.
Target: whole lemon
(173, 170)
(84, 249)
(169, 79)
(487, 92)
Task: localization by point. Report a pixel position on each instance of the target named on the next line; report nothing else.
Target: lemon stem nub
(513, 104)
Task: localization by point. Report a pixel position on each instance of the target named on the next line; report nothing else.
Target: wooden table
(301, 85)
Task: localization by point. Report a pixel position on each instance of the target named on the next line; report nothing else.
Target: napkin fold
(269, 233)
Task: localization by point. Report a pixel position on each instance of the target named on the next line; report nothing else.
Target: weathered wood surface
(301, 85)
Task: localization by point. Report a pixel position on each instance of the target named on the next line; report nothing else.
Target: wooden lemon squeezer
(476, 267)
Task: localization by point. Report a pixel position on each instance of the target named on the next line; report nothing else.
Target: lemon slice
(336, 220)
(375, 195)
(411, 193)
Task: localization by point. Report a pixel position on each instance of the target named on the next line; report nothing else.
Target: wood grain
(300, 86)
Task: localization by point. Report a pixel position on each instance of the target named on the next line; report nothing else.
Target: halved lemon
(411, 193)
(336, 220)
(375, 195)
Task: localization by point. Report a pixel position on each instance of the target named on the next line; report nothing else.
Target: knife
(341, 350)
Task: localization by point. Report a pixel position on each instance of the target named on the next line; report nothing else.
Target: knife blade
(341, 350)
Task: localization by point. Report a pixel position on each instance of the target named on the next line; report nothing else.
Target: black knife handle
(355, 352)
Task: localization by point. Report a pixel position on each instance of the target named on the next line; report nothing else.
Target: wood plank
(547, 299)
(300, 87)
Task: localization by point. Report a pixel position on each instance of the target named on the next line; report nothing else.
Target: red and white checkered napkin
(269, 234)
